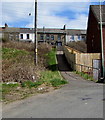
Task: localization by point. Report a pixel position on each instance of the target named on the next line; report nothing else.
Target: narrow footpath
(78, 99)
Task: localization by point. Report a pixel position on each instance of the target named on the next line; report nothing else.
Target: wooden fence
(82, 62)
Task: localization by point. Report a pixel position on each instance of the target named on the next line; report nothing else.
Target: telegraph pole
(102, 49)
(35, 39)
(44, 34)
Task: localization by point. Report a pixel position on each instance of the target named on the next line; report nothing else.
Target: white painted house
(75, 35)
(26, 34)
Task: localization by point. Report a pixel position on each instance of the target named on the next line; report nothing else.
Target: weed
(31, 84)
(6, 88)
(84, 75)
(9, 53)
(52, 76)
(58, 82)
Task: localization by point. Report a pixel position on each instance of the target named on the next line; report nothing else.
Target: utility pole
(102, 49)
(35, 39)
(64, 34)
(44, 34)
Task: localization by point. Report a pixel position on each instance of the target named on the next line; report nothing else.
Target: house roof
(26, 30)
(41, 30)
(11, 29)
(96, 11)
(46, 30)
(50, 30)
(75, 32)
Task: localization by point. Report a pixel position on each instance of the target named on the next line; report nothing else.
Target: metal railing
(95, 73)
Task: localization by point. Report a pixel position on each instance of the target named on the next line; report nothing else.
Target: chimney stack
(6, 25)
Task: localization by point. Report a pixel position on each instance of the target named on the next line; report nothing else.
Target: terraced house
(51, 36)
(75, 35)
(10, 33)
(56, 36)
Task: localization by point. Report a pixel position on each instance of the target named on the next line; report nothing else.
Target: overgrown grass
(7, 88)
(52, 76)
(9, 53)
(85, 75)
(12, 92)
(24, 72)
(56, 82)
(31, 84)
(51, 57)
(17, 65)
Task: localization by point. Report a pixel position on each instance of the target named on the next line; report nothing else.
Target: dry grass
(18, 61)
(18, 66)
(19, 45)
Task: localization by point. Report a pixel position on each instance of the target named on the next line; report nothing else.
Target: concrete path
(78, 99)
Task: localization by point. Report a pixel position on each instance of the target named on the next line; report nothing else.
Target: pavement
(78, 99)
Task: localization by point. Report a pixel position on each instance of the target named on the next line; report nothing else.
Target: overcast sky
(50, 14)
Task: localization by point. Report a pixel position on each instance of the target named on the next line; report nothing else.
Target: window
(52, 37)
(59, 37)
(79, 37)
(41, 37)
(21, 36)
(83, 37)
(28, 36)
(47, 36)
(72, 37)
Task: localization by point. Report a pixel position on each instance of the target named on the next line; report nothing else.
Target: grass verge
(85, 76)
(52, 76)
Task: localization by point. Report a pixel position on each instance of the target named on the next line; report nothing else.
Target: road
(78, 99)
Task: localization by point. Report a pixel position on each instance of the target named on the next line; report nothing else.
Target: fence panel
(83, 62)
